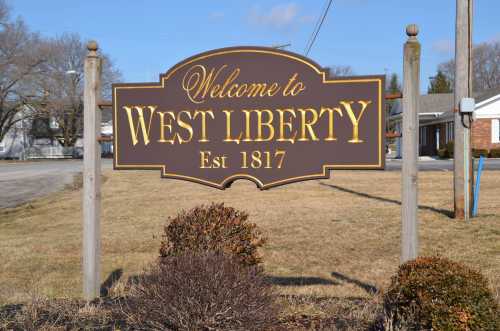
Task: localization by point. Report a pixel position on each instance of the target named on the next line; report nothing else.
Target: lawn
(336, 238)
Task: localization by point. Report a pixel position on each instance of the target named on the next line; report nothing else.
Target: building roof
(429, 103)
(479, 97)
(436, 103)
(487, 94)
(442, 103)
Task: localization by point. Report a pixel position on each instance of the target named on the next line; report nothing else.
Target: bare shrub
(213, 227)
(43, 314)
(204, 291)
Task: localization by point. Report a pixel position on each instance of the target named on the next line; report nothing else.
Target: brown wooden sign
(267, 115)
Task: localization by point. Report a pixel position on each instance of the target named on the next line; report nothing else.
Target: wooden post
(91, 174)
(462, 178)
(411, 88)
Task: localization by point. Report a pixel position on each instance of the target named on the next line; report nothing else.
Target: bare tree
(4, 13)
(21, 60)
(486, 67)
(62, 87)
(340, 71)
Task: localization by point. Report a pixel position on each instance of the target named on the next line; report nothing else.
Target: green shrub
(479, 152)
(442, 153)
(495, 153)
(202, 291)
(213, 227)
(449, 148)
(432, 293)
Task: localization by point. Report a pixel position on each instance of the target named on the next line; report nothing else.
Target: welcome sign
(262, 114)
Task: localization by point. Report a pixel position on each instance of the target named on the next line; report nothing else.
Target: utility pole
(409, 173)
(462, 180)
(91, 174)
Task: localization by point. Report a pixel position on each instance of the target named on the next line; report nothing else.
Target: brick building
(436, 121)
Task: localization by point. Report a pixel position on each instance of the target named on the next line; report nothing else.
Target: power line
(315, 27)
(314, 35)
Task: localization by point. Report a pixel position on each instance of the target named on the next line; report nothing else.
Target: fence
(52, 152)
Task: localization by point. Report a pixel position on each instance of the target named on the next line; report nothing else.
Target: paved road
(24, 181)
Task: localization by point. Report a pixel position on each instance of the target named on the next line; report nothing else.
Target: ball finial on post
(412, 31)
(92, 47)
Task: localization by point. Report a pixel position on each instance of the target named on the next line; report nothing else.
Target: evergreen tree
(439, 84)
(394, 86)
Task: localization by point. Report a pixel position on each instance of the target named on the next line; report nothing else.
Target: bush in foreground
(442, 153)
(61, 314)
(495, 153)
(204, 291)
(477, 153)
(432, 293)
(215, 227)
(450, 149)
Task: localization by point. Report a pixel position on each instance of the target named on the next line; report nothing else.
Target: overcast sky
(147, 37)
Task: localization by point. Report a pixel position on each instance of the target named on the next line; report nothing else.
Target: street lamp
(281, 46)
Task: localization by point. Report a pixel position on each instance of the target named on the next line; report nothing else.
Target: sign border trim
(229, 180)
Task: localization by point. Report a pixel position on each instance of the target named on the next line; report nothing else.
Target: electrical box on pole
(467, 105)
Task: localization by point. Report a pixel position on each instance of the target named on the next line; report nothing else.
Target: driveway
(21, 182)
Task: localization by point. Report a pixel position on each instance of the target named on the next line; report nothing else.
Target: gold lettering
(287, 124)
(241, 90)
(308, 124)
(230, 93)
(184, 125)
(134, 130)
(197, 84)
(168, 126)
(201, 82)
(232, 77)
(215, 89)
(273, 89)
(261, 124)
(257, 89)
(247, 125)
(204, 161)
(297, 88)
(330, 111)
(203, 114)
(355, 120)
(228, 128)
(286, 91)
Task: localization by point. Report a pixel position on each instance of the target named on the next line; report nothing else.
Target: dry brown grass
(329, 238)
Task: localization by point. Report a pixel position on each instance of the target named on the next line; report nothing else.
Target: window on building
(53, 124)
(423, 136)
(2, 147)
(495, 131)
(450, 132)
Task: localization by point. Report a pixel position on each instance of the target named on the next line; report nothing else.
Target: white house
(20, 144)
(436, 121)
